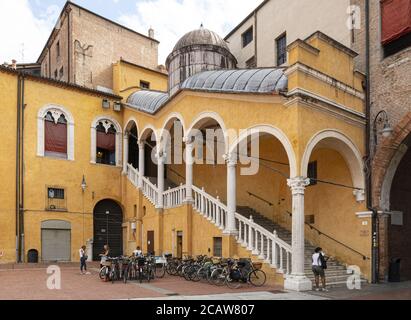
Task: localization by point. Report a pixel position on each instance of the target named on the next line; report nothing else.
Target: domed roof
(201, 36)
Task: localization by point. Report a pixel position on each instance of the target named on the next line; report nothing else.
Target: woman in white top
(318, 266)
(104, 255)
(83, 260)
(138, 252)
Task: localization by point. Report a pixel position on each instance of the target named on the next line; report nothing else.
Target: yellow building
(94, 168)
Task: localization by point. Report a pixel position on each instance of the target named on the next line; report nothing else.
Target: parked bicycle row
(217, 271)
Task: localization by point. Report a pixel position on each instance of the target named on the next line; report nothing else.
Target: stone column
(189, 169)
(231, 160)
(297, 281)
(89, 250)
(161, 159)
(125, 153)
(141, 157)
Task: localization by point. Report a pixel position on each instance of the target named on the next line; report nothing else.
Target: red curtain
(55, 137)
(396, 19)
(106, 141)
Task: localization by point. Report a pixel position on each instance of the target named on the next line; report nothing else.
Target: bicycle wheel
(160, 271)
(231, 283)
(113, 276)
(171, 269)
(186, 272)
(194, 276)
(257, 278)
(125, 275)
(102, 273)
(218, 277)
(140, 275)
(202, 274)
(149, 274)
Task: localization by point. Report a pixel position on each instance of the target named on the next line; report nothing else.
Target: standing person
(319, 264)
(138, 252)
(104, 255)
(83, 260)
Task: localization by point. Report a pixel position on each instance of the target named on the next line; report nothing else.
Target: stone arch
(339, 142)
(384, 159)
(145, 133)
(278, 134)
(174, 115)
(130, 122)
(202, 118)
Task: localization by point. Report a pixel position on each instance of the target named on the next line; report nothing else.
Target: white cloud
(171, 19)
(18, 25)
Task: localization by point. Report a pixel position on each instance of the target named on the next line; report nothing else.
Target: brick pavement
(31, 284)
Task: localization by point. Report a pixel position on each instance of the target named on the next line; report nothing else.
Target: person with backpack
(319, 265)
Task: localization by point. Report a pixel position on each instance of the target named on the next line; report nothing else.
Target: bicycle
(244, 271)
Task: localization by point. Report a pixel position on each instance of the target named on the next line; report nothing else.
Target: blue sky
(170, 19)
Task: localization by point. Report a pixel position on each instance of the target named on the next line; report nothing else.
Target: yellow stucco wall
(127, 78)
(8, 105)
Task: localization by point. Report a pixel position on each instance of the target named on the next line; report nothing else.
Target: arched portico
(332, 139)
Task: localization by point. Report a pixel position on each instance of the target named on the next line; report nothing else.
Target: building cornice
(303, 97)
(325, 78)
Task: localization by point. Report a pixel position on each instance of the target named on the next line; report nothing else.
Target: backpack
(323, 261)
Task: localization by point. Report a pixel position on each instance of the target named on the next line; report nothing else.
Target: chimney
(14, 64)
(151, 33)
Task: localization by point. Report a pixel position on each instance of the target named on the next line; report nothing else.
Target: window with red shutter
(106, 145)
(395, 19)
(55, 135)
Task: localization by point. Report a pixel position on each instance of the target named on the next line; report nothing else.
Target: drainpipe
(68, 45)
(256, 38)
(375, 240)
(21, 209)
(18, 168)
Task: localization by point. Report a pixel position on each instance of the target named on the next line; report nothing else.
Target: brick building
(83, 46)
(390, 107)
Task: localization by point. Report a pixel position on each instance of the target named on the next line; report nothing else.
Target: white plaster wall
(299, 18)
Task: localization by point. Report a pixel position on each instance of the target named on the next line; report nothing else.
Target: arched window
(106, 143)
(55, 133)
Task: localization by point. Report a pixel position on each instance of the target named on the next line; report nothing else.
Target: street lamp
(386, 132)
(83, 184)
(83, 188)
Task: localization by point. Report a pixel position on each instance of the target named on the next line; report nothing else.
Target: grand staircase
(336, 272)
(256, 233)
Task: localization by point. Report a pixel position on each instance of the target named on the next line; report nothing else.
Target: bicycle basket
(106, 264)
(257, 265)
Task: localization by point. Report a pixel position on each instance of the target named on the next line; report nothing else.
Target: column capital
(359, 195)
(298, 185)
(161, 156)
(231, 159)
(189, 140)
